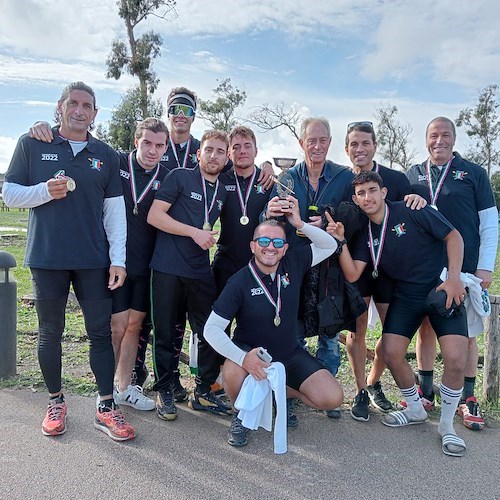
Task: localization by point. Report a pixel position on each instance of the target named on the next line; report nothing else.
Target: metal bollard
(8, 316)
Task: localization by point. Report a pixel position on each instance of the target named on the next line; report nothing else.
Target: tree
(125, 117)
(270, 117)
(393, 138)
(137, 58)
(495, 184)
(482, 124)
(220, 113)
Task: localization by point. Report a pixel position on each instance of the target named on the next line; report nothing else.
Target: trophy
(284, 181)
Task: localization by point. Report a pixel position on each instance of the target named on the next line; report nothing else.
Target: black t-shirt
(183, 157)
(244, 299)
(180, 255)
(67, 233)
(233, 247)
(141, 236)
(414, 252)
(466, 191)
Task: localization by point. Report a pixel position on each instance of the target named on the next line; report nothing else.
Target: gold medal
(207, 226)
(277, 321)
(244, 220)
(70, 184)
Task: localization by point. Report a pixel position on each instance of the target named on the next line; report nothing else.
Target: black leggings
(51, 288)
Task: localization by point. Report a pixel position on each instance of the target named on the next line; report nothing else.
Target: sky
(341, 60)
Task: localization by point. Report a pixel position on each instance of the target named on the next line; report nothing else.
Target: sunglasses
(264, 242)
(359, 124)
(177, 109)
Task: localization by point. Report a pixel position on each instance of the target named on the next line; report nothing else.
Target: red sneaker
(469, 411)
(112, 422)
(428, 403)
(54, 422)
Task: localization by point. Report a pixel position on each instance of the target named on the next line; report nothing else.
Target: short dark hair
(152, 124)
(361, 127)
(214, 134)
(65, 95)
(244, 132)
(442, 119)
(268, 223)
(367, 176)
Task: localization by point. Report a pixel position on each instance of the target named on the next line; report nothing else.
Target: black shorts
(133, 294)
(299, 366)
(405, 314)
(380, 288)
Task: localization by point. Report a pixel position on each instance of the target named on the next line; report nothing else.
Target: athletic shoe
(360, 409)
(165, 406)
(377, 397)
(54, 422)
(469, 411)
(335, 413)
(428, 403)
(180, 393)
(291, 418)
(141, 377)
(112, 422)
(209, 402)
(237, 435)
(134, 397)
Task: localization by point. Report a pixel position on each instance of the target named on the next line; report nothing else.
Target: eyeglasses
(264, 242)
(359, 124)
(177, 109)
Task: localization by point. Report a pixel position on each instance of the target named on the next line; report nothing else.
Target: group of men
(141, 244)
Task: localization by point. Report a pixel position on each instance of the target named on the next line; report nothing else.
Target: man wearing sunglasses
(264, 298)
(360, 146)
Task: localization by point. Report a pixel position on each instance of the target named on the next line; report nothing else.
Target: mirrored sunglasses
(359, 124)
(264, 242)
(177, 109)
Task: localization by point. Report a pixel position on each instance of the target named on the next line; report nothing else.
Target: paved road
(189, 458)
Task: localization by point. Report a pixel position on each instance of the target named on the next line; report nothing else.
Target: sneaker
(165, 406)
(237, 435)
(377, 397)
(180, 393)
(209, 402)
(360, 409)
(469, 411)
(134, 397)
(335, 413)
(291, 418)
(428, 403)
(112, 422)
(54, 422)
(141, 377)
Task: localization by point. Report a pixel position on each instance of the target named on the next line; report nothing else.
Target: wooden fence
(491, 377)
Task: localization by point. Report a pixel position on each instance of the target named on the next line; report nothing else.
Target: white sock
(414, 405)
(449, 403)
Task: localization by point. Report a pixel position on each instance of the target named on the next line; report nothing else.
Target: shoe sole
(114, 437)
(198, 407)
(237, 444)
(360, 419)
(166, 416)
(121, 402)
(474, 426)
(396, 424)
(383, 410)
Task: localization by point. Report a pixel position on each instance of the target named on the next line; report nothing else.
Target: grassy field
(76, 371)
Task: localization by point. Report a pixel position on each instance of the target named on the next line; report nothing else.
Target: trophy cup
(284, 181)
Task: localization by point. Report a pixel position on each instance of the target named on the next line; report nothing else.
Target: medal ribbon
(133, 188)
(212, 203)
(186, 153)
(244, 202)
(376, 167)
(434, 193)
(376, 256)
(269, 297)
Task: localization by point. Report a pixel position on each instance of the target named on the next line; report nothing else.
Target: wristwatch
(341, 243)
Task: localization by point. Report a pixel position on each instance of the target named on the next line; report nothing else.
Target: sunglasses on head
(264, 242)
(359, 124)
(177, 109)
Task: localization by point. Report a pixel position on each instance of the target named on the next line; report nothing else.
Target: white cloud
(7, 146)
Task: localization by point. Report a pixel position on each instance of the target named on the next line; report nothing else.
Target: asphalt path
(189, 458)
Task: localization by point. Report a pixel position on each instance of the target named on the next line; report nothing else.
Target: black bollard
(8, 316)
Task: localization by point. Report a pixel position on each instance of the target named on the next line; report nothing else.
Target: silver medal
(277, 321)
(375, 274)
(70, 184)
(244, 220)
(207, 226)
(135, 210)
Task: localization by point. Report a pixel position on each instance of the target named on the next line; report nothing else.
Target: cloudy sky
(338, 59)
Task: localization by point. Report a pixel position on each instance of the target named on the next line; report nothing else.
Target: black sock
(58, 399)
(106, 405)
(425, 381)
(469, 383)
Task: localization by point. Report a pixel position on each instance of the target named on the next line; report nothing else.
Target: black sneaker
(180, 393)
(335, 413)
(237, 435)
(165, 406)
(291, 418)
(377, 397)
(360, 409)
(209, 402)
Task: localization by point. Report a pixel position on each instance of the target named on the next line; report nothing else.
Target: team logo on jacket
(399, 229)
(219, 205)
(459, 175)
(124, 174)
(231, 187)
(50, 157)
(259, 189)
(193, 158)
(285, 281)
(95, 164)
(422, 177)
(164, 158)
(156, 185)
(256, 291)
(196, 196)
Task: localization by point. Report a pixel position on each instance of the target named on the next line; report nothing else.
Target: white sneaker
(134, 397)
